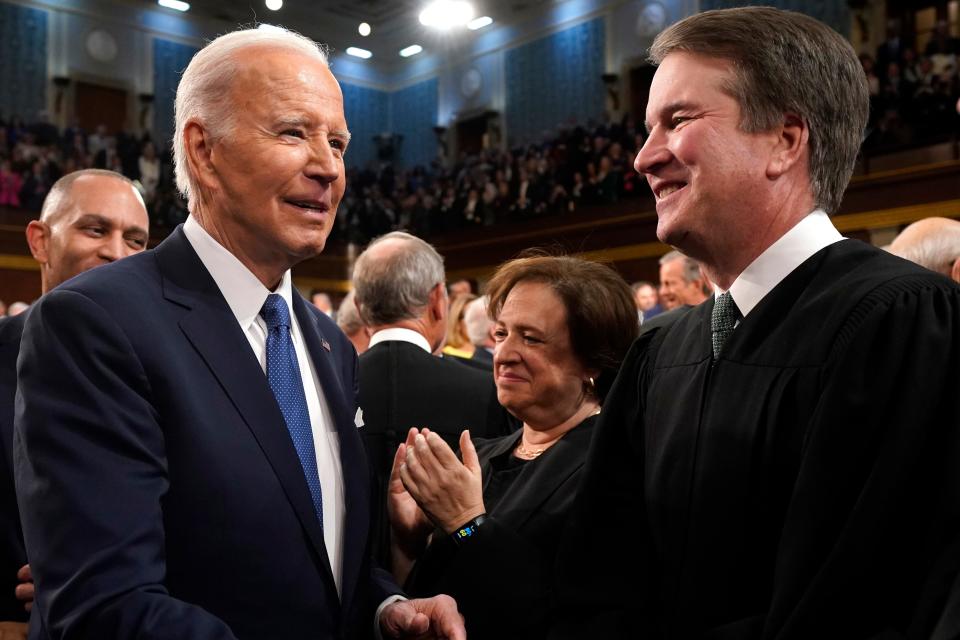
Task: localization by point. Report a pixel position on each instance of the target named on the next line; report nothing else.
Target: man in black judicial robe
(782, 461)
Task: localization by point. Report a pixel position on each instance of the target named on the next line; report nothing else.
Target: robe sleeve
(869, 544)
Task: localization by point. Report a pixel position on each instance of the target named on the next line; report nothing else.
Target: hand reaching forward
(433, 618)
(450, 492)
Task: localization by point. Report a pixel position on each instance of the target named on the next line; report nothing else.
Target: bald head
(89, 218)
(399, 282)
(394, 277)
(932, 243)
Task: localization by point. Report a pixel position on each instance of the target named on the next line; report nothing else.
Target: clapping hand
(450, 492)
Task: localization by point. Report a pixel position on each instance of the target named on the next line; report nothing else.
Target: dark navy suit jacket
(161, 494)
(12, 553)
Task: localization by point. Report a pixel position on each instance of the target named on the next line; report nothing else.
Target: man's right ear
(198, 145)
(38, 235)
(439, 302)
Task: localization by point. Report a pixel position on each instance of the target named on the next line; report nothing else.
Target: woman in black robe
(486, 530)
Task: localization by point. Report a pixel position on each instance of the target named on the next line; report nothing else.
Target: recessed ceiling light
(444, 14)
(479, 23)
(357, 52)
(412, 50)
(263, 26)
(364, 29)
(177, 5)
(274, 5)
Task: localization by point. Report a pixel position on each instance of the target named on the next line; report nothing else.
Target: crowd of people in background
(579, 165)
(913, 94)
(35, 155)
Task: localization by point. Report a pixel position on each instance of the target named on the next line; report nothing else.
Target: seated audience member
(10, 184)
(399, 286)
(148, 165)
(647, 299)
(90, 218)
(350, 322)
(682, 283)
(563, 325)
(458, 343)
(932, 243)
(480, 330)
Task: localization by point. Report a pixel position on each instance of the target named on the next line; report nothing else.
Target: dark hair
(601, 314)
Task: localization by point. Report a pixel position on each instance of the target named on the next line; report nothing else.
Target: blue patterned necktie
(722, 321)
(283, 374)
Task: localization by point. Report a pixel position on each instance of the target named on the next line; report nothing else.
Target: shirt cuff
(376, 618)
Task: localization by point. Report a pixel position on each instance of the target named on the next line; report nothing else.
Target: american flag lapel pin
(324, 344)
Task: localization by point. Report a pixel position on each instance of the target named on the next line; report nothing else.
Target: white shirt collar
(402, 335)
(244, 293)
(792, 249)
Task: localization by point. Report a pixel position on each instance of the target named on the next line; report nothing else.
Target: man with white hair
(187, 457)
(682, 283)
(399, 283)
(480, 330)
(932, 243)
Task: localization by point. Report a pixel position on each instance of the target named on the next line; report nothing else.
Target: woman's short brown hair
(601, 314)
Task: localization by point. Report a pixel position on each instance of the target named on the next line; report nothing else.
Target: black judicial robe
(806, 485)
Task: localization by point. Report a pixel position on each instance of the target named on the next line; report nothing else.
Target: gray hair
(348, 317)
(934, 245)
(477, 321)
(206, 82)
(786, 63)
(691, 268)
(59, 196)
(395, 285)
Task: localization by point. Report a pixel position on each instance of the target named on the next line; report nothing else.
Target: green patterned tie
(723, 321)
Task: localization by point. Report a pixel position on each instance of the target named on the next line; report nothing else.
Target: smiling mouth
(309, 204)
(669, 189)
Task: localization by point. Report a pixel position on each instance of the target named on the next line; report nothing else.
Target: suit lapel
(352, 461)
(539, 480)
(213, 331)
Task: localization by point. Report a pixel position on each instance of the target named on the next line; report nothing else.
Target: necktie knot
(723, 320)
(275, 312)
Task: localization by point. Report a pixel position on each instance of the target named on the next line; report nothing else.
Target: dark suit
(503, 580)
(403, 386)
(148, 433)
(12, 554)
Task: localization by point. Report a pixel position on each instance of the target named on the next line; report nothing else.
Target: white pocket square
(358, 419)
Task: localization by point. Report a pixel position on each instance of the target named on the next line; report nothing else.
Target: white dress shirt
(245, 295)
(806, 238)
(399, 334)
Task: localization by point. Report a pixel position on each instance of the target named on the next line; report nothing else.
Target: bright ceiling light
(364, 29)
(357, 52)
(479, 23)
(177, 5)
(274, 5)
(412, 50)
(263, 26)
(444, 14)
